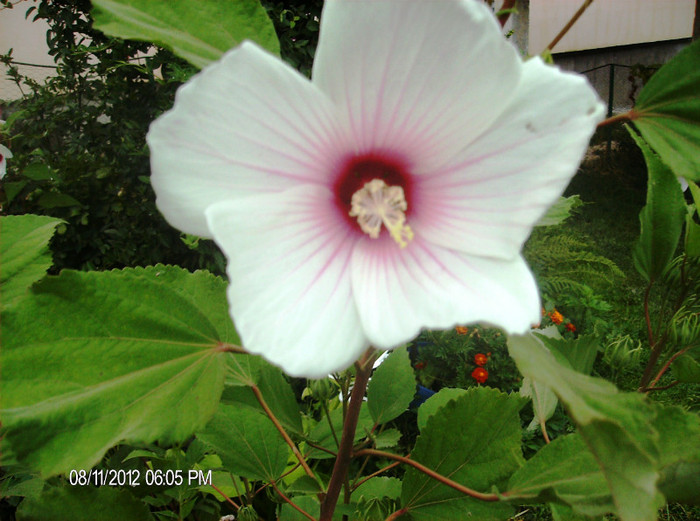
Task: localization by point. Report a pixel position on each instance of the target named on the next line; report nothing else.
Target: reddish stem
(425, 470)
(625, 116)
(394, 516)
(290, 502)
(281, 430)
(666, 366)
(342, 461)
(663, 388)
(377, 473)
(656, 346)
(237, 507)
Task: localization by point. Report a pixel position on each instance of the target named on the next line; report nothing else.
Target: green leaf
(580, 352)
(661, 219)
(565, 513)
(435, 402)
(57, 200)
(692, 238)
(308, 504)
(378, 487)
(37, 171)
(322, 434)
(686, 369)
(475, 441)
(24, 254)
(544, 401)
(667, 113)
(199, 31)
(679, 457)
(123, 356)
(615, 426)
(392, 387)
(276, 392)
(387, 439)
(247, 442)
(71, 503)
(563, 471)
(560, 211)
(12, 189)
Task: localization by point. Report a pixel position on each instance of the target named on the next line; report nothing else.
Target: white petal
(418, 77)
(487, 200)
(399, 291)
(5, 154)
(289, 292)
(246, 124)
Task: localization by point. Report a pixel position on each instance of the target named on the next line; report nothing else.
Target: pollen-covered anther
(376, 203)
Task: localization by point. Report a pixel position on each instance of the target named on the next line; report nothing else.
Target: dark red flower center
(356, 171)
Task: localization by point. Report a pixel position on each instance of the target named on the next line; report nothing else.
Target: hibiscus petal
(289, 292)
(246, 124)
(399, 291)
(487, 199)
(415, 76)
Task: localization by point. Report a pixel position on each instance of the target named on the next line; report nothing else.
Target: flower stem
(342, 461)
(569, 24)
(425, 470)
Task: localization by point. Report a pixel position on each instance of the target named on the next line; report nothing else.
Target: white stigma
(376, 203)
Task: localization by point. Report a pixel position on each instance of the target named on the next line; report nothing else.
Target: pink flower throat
(356, 171)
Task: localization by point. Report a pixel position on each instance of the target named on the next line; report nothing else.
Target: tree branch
(569, 24)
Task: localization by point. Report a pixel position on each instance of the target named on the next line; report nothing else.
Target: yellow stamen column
(375, 204)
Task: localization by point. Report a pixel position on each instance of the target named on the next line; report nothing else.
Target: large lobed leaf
(667, 113)
(74, 503)
(199, 31)
(563, 471)
(473, 439)
(247, 442)
(94, 359)
(24, 254)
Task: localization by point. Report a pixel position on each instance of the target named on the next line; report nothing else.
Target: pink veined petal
(289, 269)
(416, 77)
(400, 291)
(247, 124)
(486, 200)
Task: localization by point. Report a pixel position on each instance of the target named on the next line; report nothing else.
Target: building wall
(27, 40)
(609, 23)
(612, 42)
